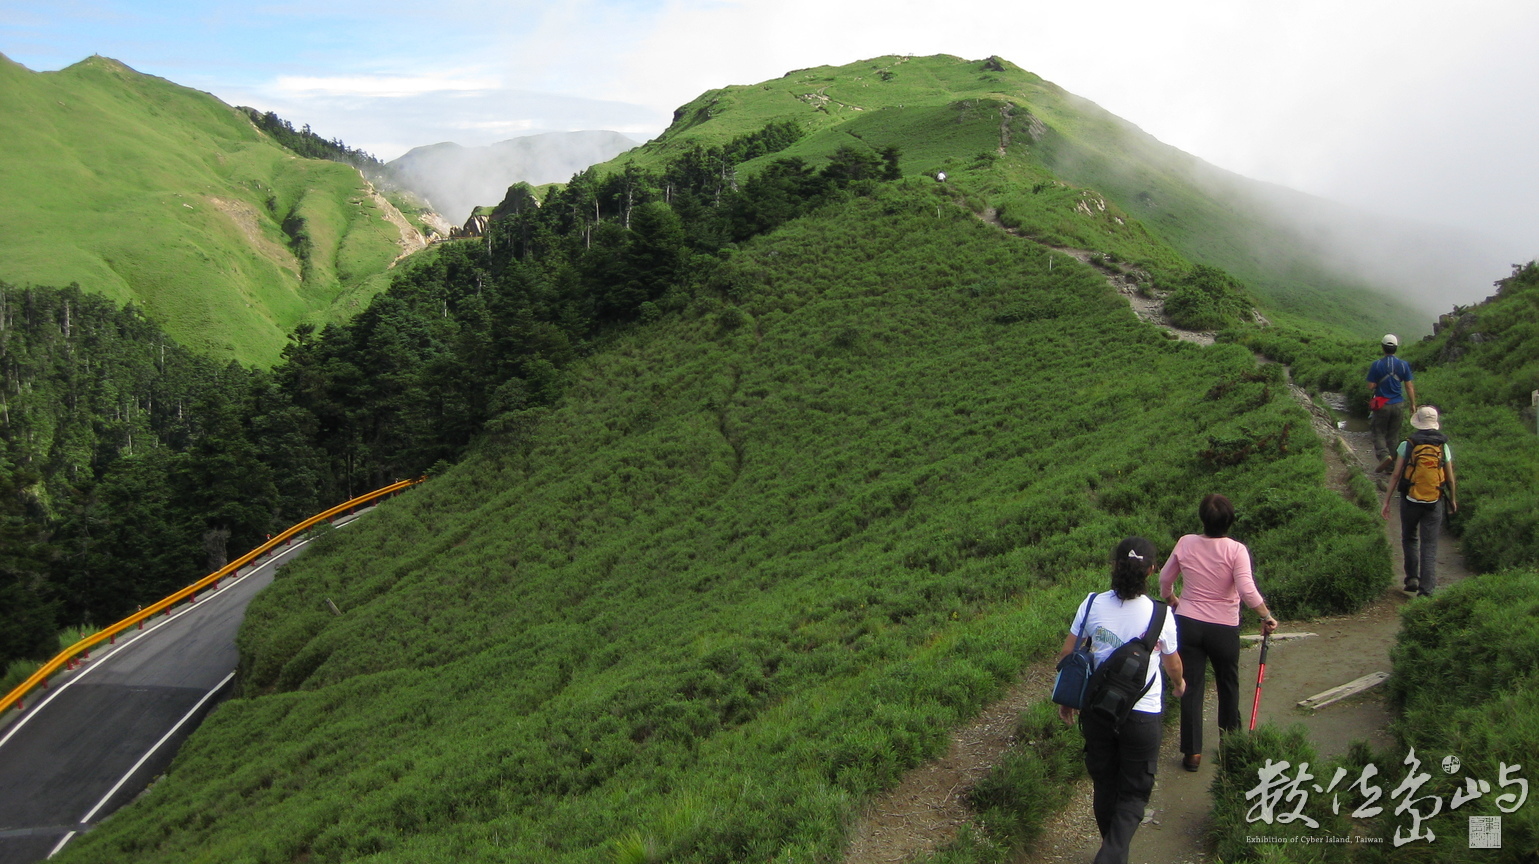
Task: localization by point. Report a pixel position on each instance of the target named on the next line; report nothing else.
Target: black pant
(1121, 763)
(1199, 642)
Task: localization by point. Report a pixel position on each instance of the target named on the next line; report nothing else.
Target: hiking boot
(1413, 585)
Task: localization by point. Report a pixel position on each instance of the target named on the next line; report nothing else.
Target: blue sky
(1421, 110)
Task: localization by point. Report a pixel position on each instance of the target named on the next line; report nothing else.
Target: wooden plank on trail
(1336, 694)
(1278, 637)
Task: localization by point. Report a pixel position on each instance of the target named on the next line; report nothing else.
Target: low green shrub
(1207, 298)
(1257, 817)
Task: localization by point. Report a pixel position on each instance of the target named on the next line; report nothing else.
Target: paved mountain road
(99, 735)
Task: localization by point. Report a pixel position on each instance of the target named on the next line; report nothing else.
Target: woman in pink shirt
(1215, 575)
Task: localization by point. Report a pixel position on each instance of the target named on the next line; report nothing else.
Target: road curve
(99, 735)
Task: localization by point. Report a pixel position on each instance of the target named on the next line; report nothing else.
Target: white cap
(1391, 340)
(1425, 418)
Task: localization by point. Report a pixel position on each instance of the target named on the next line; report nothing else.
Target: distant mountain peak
(457, 178)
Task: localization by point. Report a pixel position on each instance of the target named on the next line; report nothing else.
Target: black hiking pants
(1199, 643)
(1121, 764)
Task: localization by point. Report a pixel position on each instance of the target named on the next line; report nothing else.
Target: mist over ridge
(457, 179)
(1429, 266)
(1295, 249)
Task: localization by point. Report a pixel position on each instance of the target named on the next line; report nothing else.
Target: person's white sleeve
(1168, 634)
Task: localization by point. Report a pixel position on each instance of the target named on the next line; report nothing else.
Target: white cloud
(499, 126)
(378, 85)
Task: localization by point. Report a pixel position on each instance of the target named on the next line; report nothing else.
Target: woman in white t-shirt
(1121, 761)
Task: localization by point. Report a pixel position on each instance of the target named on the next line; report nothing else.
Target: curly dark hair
(1130, 567)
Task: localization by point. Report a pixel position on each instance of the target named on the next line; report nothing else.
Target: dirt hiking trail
(1347, 647)
(929, 806)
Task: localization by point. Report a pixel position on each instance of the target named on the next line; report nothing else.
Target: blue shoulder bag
(1074, 669)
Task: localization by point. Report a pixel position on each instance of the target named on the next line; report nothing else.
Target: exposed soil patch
(411, 239)
(248, 221)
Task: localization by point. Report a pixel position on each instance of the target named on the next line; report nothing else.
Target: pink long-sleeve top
(1215, 574)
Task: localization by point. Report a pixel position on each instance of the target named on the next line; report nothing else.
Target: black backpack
(1123, 678)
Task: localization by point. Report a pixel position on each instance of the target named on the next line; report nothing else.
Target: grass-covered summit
(142, 190)
(1053, 162)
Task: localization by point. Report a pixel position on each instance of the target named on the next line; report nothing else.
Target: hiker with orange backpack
(1424, 476)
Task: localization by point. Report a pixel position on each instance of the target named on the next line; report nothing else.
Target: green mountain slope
(1013, 139)
(760, 557)
(142, 190)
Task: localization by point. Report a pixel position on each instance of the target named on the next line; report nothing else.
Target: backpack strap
(1080, 630)
(1156, 625)
(1390, 371)
(1150, 637)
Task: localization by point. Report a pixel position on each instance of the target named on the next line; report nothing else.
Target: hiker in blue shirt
(1386, 399)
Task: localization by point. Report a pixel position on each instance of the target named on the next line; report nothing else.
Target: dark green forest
(306, 143)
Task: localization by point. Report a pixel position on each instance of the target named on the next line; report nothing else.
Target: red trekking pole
(1266, 640)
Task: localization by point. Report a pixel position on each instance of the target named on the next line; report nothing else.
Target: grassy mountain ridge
(759, 558)
(946, 113)
(143, 190)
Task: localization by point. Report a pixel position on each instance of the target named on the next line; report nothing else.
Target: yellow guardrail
(83, 647)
